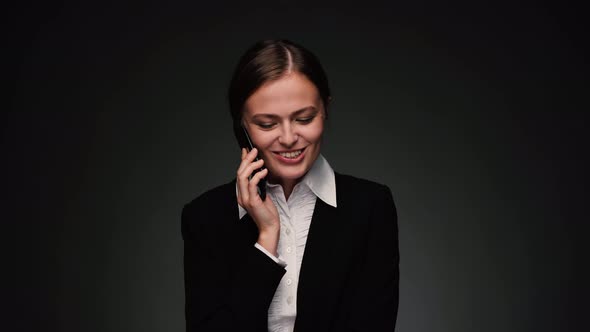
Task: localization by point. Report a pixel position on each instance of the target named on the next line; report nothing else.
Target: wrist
(270, 230)
(269, 239)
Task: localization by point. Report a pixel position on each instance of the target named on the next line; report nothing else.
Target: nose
(288, 136)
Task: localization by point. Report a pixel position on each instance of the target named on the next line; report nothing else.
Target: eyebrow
(274, 116)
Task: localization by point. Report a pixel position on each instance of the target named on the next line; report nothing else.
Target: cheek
(261, 139)
(266, 140)
(313, 134)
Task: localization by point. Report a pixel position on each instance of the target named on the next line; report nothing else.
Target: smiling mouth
(291, 155)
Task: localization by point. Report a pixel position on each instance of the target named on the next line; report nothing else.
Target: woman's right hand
(264, 213)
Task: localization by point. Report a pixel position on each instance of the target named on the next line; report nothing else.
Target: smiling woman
(274, 264)
(288, 141)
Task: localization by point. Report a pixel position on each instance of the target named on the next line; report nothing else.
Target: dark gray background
(472, 114)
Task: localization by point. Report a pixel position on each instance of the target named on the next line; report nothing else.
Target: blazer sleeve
(224, 293)
(376, 295)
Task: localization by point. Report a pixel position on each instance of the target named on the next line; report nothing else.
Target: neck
(287, 184)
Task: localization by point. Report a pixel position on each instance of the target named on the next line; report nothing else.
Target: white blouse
(295, 215)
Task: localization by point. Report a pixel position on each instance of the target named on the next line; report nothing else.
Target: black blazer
(349, 276)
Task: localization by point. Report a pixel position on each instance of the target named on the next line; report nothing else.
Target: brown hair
(269, 60)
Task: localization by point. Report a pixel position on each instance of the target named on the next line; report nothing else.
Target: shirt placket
(289, 233)
(287, 249)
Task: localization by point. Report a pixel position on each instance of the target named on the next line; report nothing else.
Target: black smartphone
(246, 142)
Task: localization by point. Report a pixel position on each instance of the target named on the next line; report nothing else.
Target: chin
(289, 175)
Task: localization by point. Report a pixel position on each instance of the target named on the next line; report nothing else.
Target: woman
(320, 252)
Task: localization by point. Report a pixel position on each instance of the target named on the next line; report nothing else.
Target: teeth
(291, 154)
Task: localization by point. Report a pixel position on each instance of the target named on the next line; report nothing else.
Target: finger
(247, 160)
(245, 152)
(247, 171)
(250, 169)
(258, 176)
(253, 185)
(246, 168)
(243, 195)
(242, 189)
(242, 179)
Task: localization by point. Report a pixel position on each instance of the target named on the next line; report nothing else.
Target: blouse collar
(319, 179)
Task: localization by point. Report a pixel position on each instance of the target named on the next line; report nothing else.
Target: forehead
(290, 93)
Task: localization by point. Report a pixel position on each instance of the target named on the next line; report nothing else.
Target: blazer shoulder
(211, 203)
(214, 196)
(349, 183)
(361, 193)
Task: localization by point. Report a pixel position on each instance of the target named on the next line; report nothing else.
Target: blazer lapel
(319, 287)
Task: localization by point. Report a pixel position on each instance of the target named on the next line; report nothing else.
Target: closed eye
(302, 120)
(266, 125)
(306, 120)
